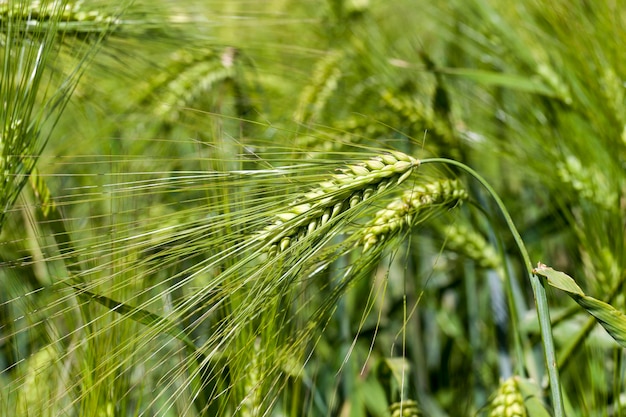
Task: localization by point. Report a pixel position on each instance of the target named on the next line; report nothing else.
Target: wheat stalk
(341, 192)
(403, 211)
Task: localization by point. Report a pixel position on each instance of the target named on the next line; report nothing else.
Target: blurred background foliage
(182, 127)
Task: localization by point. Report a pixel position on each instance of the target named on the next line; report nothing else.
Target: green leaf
(512, 81)
(558, 279)
(613, 321)
(535, 407)
(374, 398)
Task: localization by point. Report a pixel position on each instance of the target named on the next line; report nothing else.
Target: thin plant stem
(539, 292)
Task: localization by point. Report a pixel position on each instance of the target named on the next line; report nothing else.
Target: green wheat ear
(67, 18)
(314, 97)
(341, 192)
(405, 408)
(613, 321)
(404, 211)
(517, 397)
(468, 242)
(508, 400)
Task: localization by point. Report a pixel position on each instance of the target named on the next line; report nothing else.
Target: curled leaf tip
(558, 279)
(540, 266)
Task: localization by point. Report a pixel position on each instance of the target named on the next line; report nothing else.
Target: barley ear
(508, 400)
(68, 18)
(613, 320)
(251, 404)
(330, 199)
(588, 182)
(41, 191)
(325, 81)
(405, 408)
(405, 211)
(468, 242)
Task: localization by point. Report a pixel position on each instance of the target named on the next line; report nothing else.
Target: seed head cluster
(341, 192)
(466, 241)
(508, 401)
(405, 408)
(42, 11)
(405, 210)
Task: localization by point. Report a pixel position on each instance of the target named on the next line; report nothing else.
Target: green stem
(539, 292)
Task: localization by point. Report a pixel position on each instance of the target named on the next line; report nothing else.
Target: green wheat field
(281, 208)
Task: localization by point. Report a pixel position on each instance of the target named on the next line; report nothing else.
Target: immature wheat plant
(186, 248)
